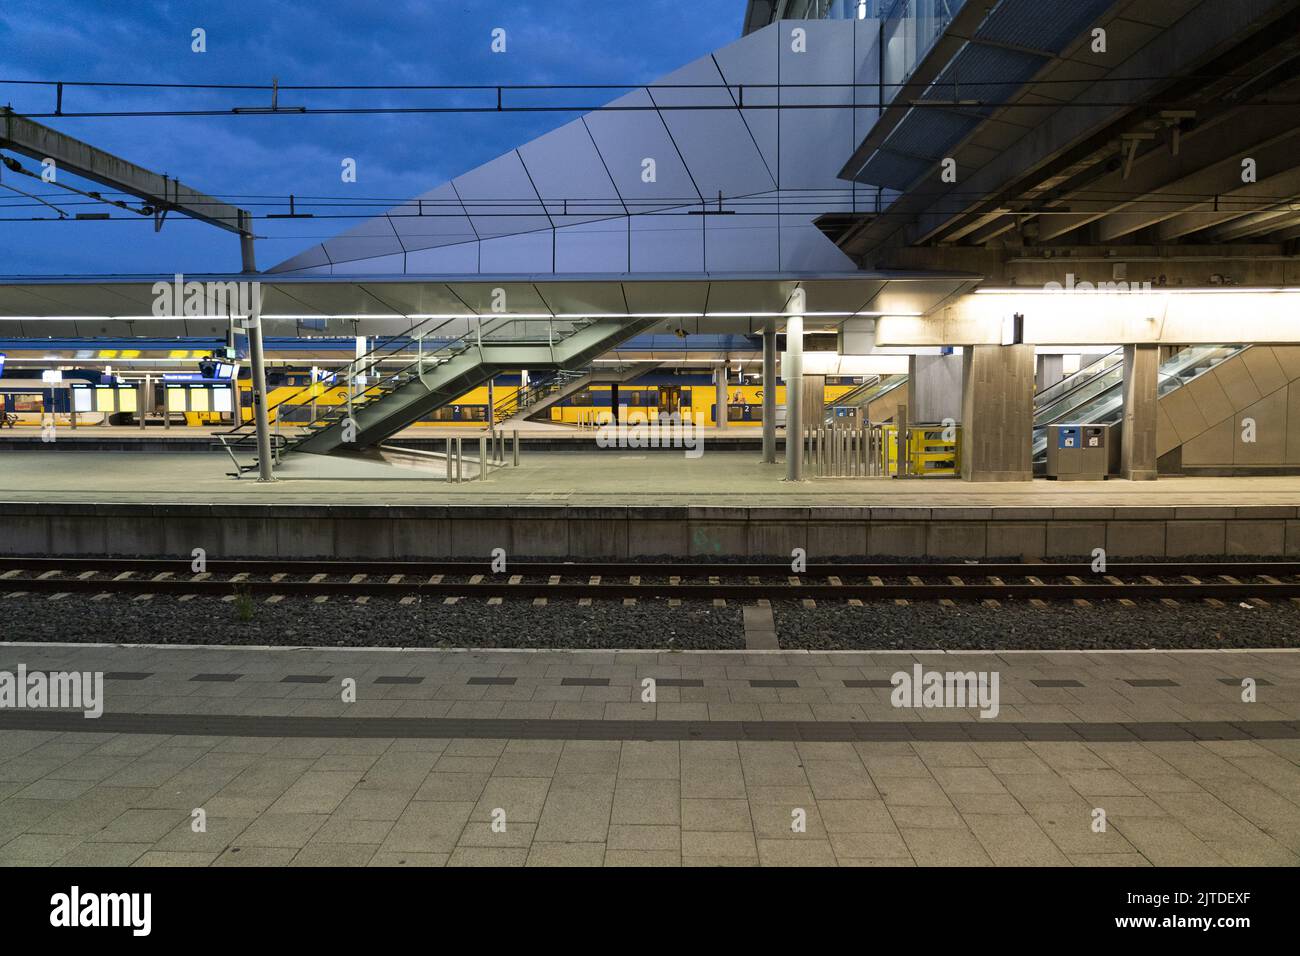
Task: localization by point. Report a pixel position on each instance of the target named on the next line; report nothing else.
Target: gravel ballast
(378, 623)
(1105, 625)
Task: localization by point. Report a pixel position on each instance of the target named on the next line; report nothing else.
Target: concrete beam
(1109, 319)
(1158, 173)
(1258, 223)
(1206, 31)
(1207, 214)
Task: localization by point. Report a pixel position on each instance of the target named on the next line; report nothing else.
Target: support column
(792, 373)
(1137, 450)
(1051, 369)
(769, 392)
(261, 419)
(720, 396)
(997, 422)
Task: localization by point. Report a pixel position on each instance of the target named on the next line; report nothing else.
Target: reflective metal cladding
(723, 173)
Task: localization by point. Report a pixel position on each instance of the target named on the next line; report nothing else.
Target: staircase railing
(503, 328)
(524, 398)
(386, 348)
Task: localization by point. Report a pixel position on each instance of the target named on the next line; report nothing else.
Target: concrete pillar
(997, 413)
(720, 395)
(934, 387)
(792, 373)
(1137, 454)
(1051, 369)
(814, 401)
(769, 393)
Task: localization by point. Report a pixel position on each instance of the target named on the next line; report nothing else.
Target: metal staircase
(443, 369)
(524, 402)
(545, 392)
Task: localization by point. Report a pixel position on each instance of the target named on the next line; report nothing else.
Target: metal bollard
(482, 459)
(459, 451)
(514, 444)
(450, 455)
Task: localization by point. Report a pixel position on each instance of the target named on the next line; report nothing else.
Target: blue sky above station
(257, 161)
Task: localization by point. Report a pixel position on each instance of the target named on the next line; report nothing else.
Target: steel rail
(775, 590)
(647, 569)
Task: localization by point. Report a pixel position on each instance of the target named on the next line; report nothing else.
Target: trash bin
(1078, 452)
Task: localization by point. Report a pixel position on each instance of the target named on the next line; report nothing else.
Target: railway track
(1217, 582)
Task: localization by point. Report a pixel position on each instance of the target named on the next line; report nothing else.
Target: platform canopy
(93, 306)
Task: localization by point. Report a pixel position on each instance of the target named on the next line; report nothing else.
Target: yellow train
(651, 394)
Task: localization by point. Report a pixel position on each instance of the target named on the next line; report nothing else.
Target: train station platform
(540, 436)
(744, 758)
(614, 503)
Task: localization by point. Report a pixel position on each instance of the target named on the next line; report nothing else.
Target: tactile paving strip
(498, 729)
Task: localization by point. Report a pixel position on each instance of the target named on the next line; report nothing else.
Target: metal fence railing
(872, 451)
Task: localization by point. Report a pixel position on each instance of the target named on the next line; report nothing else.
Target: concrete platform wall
(1207, 417)
(343, 532)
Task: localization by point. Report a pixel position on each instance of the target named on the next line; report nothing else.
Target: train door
(670, 399)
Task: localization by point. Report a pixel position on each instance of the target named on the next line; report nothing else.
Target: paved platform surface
(609, 477)
(1193, 776)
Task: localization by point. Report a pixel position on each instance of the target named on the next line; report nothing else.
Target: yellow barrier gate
(871, 451)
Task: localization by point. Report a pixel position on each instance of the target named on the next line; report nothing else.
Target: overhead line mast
(162, 194)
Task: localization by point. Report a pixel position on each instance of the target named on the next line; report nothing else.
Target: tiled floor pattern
(75, 797)
(720, 686)
(95, 799)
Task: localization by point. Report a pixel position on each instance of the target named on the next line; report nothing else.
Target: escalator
(1098, 399)
(866, 396)
(1092, 395)
(1086, 382)
(1082, 377)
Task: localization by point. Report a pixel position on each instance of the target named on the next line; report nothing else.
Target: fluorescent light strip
(1157, 290)
(489, 315)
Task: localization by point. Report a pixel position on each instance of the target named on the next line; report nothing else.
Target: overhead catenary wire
(734, 96)
(400, 87)
(597, 108)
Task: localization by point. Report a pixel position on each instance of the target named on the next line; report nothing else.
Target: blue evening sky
(301, 42)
